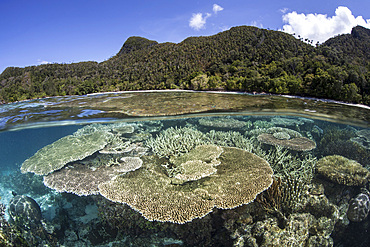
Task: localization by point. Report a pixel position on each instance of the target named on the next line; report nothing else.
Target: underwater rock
(286, 138)
(24, 211)
(67, 149)
(341, 170)
(359, 206)
(240, 177)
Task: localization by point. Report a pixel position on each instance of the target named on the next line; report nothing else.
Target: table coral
(84, 179)
(286, 138)
(67, 149)
(239, 178)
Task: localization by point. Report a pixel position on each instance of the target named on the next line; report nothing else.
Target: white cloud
(319, 27)
(217, 8)
(198, 21)
(42, 61)
(256, 24)
(283, 10)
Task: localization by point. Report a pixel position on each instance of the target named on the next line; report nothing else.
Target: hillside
(241, 59)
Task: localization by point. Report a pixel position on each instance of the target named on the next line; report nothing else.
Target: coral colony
(265, 169)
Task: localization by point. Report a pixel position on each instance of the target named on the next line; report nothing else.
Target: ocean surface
(183, 168)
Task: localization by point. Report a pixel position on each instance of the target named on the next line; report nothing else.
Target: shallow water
(95, 200)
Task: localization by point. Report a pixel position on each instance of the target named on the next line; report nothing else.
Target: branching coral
(175, 141)
(285, 164)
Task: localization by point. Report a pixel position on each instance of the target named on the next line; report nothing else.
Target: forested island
(246, 59)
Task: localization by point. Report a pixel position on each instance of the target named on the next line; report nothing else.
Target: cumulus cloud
(198, 21)
(217, 8)
(319, 27)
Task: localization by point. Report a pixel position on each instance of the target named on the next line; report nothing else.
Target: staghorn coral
(83, 179)
(239, 178)
(175, 141)
(67, 149)
(229, 139)
(359, 206)
(287, 138)
(341, 170)
(285, 164)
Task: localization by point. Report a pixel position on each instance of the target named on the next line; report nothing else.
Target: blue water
(17, 146)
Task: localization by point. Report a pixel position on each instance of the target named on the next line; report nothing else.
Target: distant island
(244, 58)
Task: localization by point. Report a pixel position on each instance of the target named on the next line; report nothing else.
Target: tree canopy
(241, 59)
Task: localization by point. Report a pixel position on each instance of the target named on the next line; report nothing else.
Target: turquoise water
(184, 169)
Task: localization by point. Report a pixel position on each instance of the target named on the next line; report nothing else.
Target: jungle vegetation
(243, 58)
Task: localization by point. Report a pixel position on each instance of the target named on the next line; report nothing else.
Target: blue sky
(53, 31)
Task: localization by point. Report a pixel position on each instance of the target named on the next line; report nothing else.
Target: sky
(35, 32)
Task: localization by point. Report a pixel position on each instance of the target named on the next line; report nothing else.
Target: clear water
(307, 205)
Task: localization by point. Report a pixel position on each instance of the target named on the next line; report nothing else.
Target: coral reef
(311, 224)
(83, 179)
(175, 141)
(198, 163)
(341, 170)
(338, 141)
(230, 139)
(67, 149)
(24, 211)
(359, 206)
(285, 164)
(9, 235)
(363, 138)
(223, 122)
(291, 122)
(286, 138)
(239, 178)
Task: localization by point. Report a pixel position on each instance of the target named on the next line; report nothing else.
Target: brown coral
(239, 178)
(342, 170)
